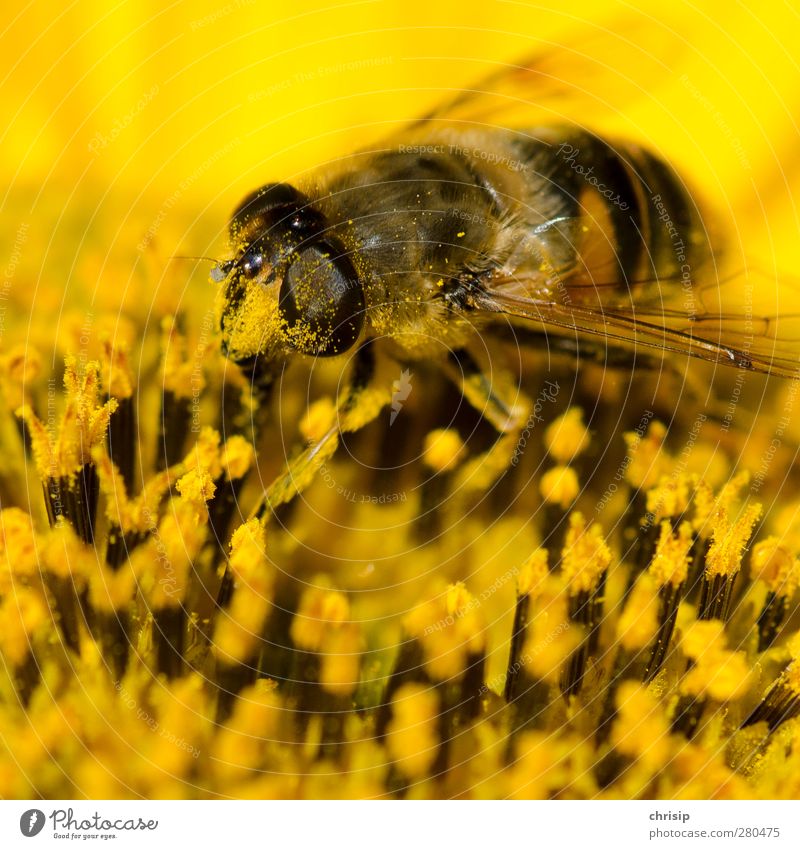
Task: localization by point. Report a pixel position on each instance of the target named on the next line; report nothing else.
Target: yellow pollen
(533, 573)
(773, 564)
(83, 424)
(648, 459)
(670, 564)
(585, 555)
(560, 486)
(443, 449)
(567, 437)
(729, 540)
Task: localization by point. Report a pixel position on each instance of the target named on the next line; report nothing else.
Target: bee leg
(367, 393)
(495, 396)
(504, 405)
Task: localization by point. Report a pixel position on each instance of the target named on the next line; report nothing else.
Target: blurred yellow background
(142, 118)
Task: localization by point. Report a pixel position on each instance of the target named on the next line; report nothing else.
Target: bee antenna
(200, 258)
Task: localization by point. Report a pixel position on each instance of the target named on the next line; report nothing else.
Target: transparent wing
(595, 80)
(662, 315)
(590, 79)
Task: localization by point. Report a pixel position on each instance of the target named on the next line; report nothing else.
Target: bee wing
(645, 315)
(589, 79)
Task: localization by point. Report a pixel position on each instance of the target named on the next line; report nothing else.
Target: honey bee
(460, 226)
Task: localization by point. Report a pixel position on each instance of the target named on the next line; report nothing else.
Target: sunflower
(206, 592)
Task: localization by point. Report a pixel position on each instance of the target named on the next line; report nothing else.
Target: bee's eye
(251, 264)
(322, 301)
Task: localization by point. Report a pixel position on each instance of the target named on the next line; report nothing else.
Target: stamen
(724, 560)
(772, 564)
(180, 377)
(584, 562)
(240, 623)
(669, 570)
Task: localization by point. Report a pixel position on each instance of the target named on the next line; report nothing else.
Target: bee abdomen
(631, 200)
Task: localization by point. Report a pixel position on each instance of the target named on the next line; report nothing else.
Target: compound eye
(322, 302)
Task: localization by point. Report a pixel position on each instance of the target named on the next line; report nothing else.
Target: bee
(460, 227)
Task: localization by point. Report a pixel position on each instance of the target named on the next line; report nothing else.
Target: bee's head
(291, 285)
